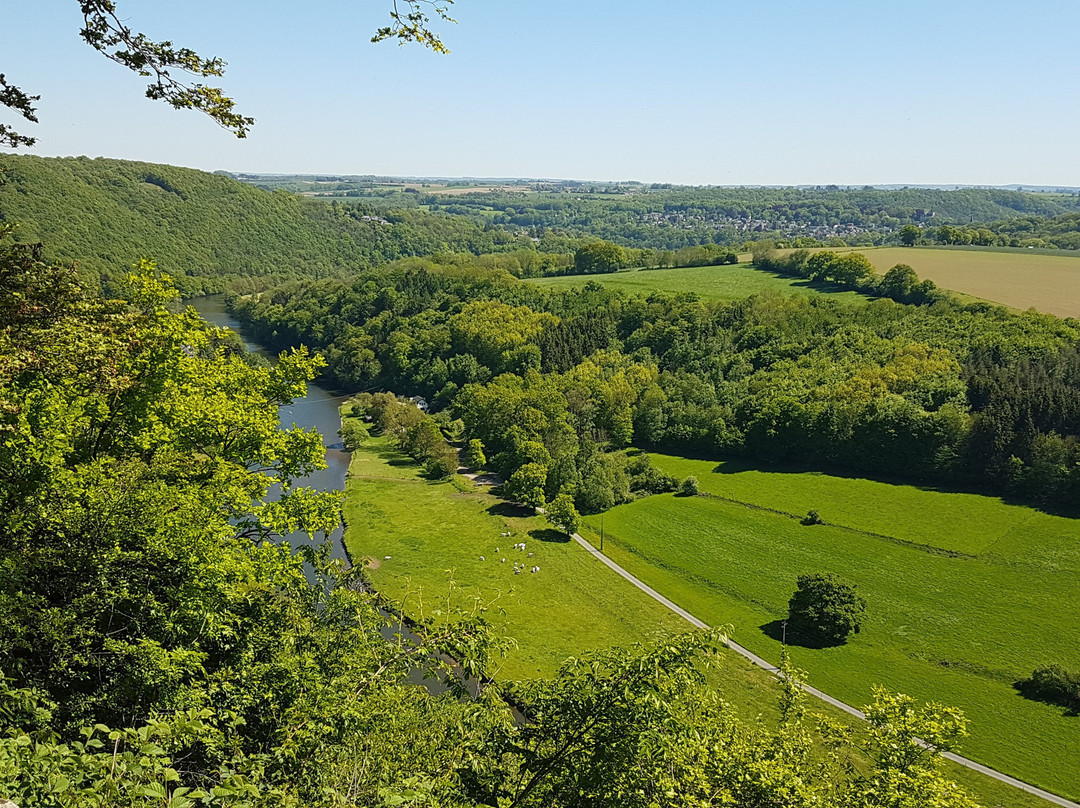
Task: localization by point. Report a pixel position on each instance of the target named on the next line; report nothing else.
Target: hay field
(1049, 283)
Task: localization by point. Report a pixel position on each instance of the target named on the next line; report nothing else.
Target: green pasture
(960, 629)
(435, 530)
(729, 282)
(963, 523)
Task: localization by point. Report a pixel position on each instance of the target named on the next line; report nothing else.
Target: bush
(812, 518)
(474, 457)
(825, 607)
(353, 433)
(442, 462)
(1053, 683)
(689, 487)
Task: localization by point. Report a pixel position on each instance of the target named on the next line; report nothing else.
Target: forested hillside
(207, 231)
(943, 391)
(671, 217)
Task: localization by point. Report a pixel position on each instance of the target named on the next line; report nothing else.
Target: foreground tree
(825, 607)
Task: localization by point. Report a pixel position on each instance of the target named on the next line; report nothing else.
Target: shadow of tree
(1028, 689)
(509, 509)
(549, 535)
(775, 630)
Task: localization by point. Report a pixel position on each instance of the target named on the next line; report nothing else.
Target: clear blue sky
(696, 92)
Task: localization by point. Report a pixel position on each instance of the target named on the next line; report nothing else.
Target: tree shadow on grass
(1027, 689)
(775, 631)
(549, 535)
(510, 509)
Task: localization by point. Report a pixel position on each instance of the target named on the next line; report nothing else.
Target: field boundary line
(925, 548)
(813, 691)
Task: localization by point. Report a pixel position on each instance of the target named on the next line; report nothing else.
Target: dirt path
(481, 477)
(813, 691)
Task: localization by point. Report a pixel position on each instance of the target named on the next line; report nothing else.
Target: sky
(698, 92)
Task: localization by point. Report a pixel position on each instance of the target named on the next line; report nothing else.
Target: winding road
(813, 691)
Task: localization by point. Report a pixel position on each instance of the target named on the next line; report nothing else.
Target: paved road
(847, 708)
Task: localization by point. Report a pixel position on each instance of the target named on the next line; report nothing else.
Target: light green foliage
(562, 513)
(526, 485)
(499, 335)
(474, 454)
(138, 587)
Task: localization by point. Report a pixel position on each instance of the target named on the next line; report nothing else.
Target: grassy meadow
(729, 282)
(966, 594)
(434, 529)
(1019, 279)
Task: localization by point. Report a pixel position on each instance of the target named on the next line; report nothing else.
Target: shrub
(689, 487)
(825, 607)
(353, 433)
(1053, 683)
(812, 518)
(442, 462)
(474, 457)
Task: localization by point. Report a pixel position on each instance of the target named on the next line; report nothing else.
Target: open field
(730, 282)
(1049, 283)
(955, 628)
(429, 528)
(1023, 279)
(573, 604)
(1016, 278)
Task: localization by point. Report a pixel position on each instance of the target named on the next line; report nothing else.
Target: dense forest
(159, 644)
(211, 232)
(552, 382)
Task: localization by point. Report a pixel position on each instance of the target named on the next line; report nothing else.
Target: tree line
(563, 381)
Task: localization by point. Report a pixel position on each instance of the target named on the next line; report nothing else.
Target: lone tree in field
(825, 607)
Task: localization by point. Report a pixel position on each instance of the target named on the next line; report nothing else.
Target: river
(318, 409)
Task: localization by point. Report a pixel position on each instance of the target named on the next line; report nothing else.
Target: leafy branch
(410, 20)
(104, 31)
(175, 72)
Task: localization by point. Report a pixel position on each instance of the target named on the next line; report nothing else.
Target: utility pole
(601, 531)
(783, 625)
